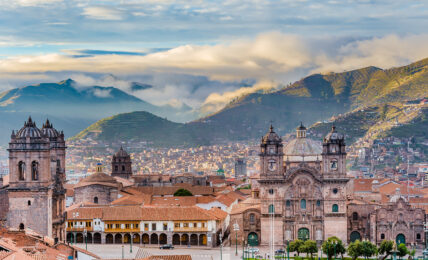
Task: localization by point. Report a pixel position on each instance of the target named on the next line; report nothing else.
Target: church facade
(37, 173)
(303, 189)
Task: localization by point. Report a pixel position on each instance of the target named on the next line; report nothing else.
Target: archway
(163, 239)
(253, 239)
(193, 240)
(176, 239)
(97, 238)
(21, 226)
(127, 239)
(355, 235)
(136, 238)
(303, 234)
(109, 239)
(118, 239)
(154, 239)
(184, 239)
(145, 239)
(400, 239)
(79, 238)
(70, 238)
(203, 240)
(89, 238)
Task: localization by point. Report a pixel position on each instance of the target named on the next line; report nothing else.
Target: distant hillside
(75, 107)
(143, 126)
(314, 98)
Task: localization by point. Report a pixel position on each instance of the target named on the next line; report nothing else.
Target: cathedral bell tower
(121, 164)
(334, 154)
(271, 156)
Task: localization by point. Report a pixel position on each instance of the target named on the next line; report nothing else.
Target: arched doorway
(145, 239)
(136, 238)
(203, 240)
(127, 239)
(97, 238)
(79, 238)
(303, 234)
(355, 235)
(89, 238)
(184, 239)
(109, 239)
(21, 226)
(176, 239)
(401, 239)
(193, 240)
(163, 239)
(154, 239)
(70, 238)
(118, 239)
(253, 239)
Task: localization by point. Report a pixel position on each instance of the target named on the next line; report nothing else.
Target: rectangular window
(177, 225)
(165, 226)
(127, 226)
(203, 224)
(185, 224)
(153, 226)
(146, 227)
(136, 225)
(195, 225)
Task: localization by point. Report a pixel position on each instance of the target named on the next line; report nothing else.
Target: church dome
(271, 137)
(121, 153)
(29, 129)
(49, 131)
(333, 136)
(302, 148)
(99, 177)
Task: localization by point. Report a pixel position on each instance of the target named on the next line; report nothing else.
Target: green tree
(182, 192)
(296, 246)
(384, 111)
(355, 249)
(386, 248)
(368, 249)
(402, 250)
(309, 247)
(333, 245)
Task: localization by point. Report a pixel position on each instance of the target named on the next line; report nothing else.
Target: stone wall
(105, 194)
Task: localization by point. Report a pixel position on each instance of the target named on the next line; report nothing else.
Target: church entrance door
(253, 239)
(355, 236)
(303, 234)
(401, 239)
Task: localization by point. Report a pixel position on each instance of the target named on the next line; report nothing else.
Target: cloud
(102, 93)
(216, 101)
(35, 2)
(103, 13)
(210, 76)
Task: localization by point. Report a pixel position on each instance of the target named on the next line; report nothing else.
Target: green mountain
(314, 98)
(73, 108)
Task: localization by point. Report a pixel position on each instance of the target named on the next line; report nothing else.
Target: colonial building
(98, 188)
(37, 174)
(121, 164)
(186, 226)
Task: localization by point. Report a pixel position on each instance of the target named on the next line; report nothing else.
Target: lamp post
(86, 238)
(236, 229)
(123, 252)
(221, 248)
(130, 248)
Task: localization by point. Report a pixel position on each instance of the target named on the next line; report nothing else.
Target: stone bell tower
(121, 164)
(335, 183)
(36, 169)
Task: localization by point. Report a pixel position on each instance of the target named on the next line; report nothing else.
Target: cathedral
(37, 173)
(303, 192)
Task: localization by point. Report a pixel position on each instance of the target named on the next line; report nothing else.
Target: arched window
(335, 208)
(288, 203)
(123, 168)
(271, 191)
(355, 216)
(29, 203)
(34, 171)
(96, 200)
(418, 236)
(303, 204)
(116, 168)
(252, 218)
(21, 226)
(271, 208)
(21, 170)
(318, 203)
(382, 236)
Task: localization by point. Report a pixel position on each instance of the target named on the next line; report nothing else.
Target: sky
(203, 53)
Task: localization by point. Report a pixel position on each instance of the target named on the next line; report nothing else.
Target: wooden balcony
(125, 230)
(79, 229)
(190, 229)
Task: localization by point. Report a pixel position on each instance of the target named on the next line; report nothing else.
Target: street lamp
(86, 238)
(236, 229)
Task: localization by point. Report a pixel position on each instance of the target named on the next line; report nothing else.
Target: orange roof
(363, 185)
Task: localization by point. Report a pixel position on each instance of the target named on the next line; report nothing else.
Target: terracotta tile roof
(170, 190)
(168, 257)
(391, 188)
(205, 199)
(218, 213)
(363, 185)
(85, 213)
(175, 201)
(121, 213)
(133, 200)
(226, 200)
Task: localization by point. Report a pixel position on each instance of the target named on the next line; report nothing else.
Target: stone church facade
(37, 173)
(303, 189)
